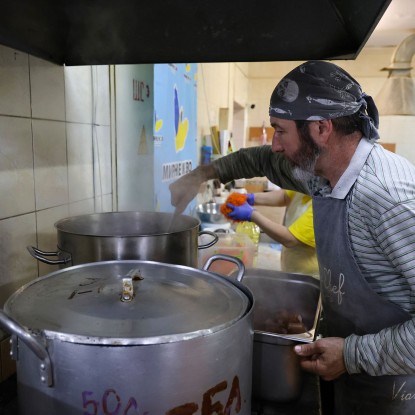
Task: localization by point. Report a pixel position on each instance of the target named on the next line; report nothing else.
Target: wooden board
(255, 134)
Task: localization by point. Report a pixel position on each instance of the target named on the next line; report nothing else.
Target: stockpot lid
(162, 303)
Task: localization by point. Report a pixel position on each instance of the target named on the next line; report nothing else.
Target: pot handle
(212, 242)
(40, 255)
(237, 261)
(13, 327)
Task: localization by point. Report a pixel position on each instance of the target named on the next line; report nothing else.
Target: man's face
(297, 146)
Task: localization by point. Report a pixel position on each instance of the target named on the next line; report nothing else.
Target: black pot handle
(211, 243)
(40, 255)
(234, 259)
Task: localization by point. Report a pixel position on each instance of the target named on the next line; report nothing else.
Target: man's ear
(321, 131)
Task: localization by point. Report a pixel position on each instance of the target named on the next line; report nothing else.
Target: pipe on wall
(397, 96)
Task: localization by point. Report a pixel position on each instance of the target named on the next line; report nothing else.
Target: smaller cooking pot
(152, 236)
(277, 374)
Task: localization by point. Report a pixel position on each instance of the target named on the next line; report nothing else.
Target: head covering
(319, 90)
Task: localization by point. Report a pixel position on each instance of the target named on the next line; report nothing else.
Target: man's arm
(394, 348)
(185, 189)
(245, 163)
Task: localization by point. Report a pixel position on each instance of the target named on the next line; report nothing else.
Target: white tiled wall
(16, 166)
(47, 90)
(55, 156)
(50, 163)
(14, 83)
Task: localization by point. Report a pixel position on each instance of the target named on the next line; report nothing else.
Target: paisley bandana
(318, 90)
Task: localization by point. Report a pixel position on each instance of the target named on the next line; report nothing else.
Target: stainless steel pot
(277, 375)
(152, 236)
(132, 337)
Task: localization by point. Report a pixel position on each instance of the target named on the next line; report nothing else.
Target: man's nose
(276, 146)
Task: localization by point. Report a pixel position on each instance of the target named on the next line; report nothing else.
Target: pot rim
(88, 224)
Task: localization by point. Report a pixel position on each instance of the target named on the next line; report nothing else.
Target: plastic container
(234, 244)
(206, 155)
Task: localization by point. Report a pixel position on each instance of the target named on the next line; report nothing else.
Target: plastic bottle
(206, 154)
(251, 229)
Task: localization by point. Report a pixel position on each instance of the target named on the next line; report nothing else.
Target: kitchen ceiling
(79, 32)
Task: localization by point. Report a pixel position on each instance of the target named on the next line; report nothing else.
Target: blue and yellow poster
(174, 128)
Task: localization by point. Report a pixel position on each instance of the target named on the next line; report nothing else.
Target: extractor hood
(88, 32)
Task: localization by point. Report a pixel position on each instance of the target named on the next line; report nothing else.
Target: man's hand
(184, 189)
(323, 357)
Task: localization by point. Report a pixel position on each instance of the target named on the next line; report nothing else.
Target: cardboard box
(256, 184)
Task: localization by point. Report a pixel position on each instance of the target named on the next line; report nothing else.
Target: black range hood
(93, 32)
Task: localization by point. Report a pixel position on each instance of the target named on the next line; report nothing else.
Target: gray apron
(351, 306)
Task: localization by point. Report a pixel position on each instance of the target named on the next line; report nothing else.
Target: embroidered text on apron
(351, 306)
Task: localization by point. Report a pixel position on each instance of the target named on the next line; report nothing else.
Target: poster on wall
(174, 128)
(135, 158)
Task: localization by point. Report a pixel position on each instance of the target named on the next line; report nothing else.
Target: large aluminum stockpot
(151, 236)
(280, 296)
(131, 337)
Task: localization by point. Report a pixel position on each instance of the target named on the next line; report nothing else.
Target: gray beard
(305, 172)
(302, 175)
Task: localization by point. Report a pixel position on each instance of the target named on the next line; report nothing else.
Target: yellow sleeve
(290, 193)
(303, 228)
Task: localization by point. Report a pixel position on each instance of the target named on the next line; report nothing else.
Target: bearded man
(325, 145)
